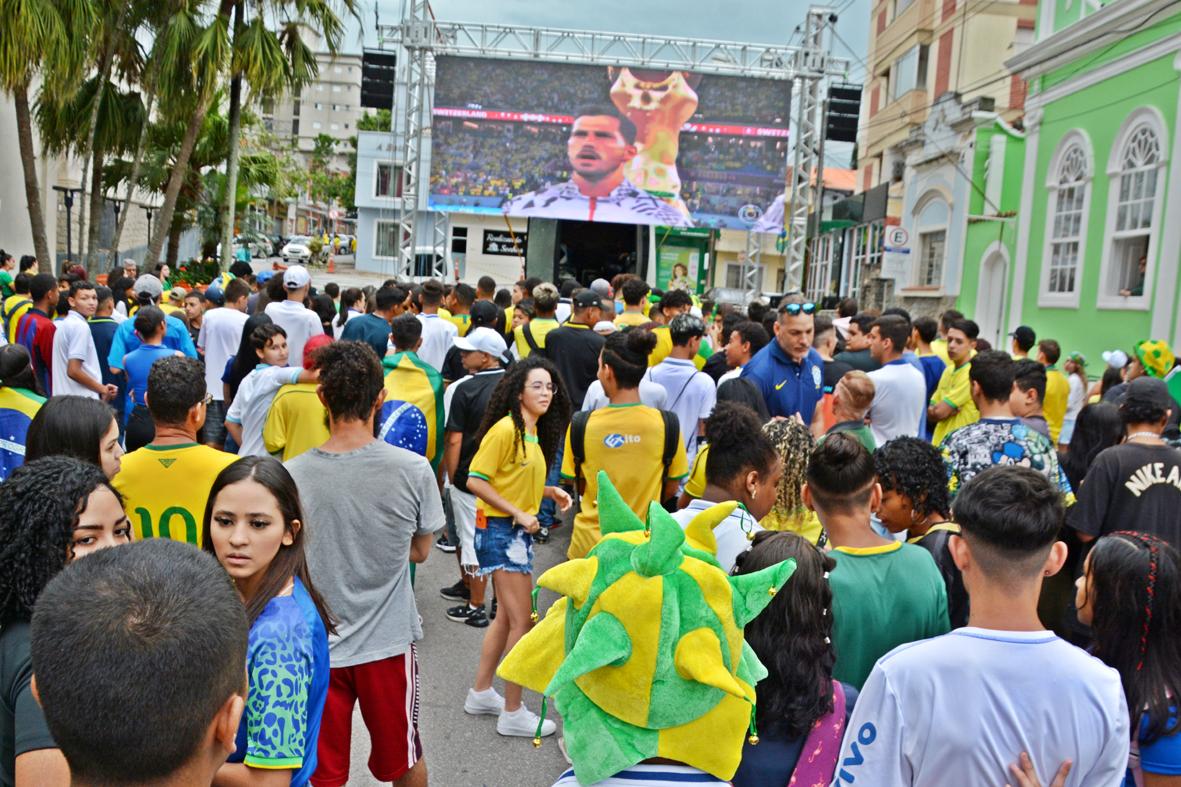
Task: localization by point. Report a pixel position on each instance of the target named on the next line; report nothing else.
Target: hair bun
(641, 342)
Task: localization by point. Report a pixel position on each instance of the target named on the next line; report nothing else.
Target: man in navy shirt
(788, 372)
(374, 329)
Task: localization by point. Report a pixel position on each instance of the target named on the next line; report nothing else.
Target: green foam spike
(614, 515)
(661, 553)
(753, 592)
(602, 641)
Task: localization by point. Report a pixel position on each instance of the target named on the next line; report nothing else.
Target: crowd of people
(805, 548)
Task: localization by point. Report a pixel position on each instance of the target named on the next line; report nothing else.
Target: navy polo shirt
(788, 387)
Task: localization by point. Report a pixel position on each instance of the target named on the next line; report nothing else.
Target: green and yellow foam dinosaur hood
(644, 653)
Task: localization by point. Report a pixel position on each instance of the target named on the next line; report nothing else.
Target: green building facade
(1098, 234)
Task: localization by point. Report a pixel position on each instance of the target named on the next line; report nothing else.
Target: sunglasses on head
(798, 308)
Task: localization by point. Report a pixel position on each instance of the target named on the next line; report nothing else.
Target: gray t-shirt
(362, 509)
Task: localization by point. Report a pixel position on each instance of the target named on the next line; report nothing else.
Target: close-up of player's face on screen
(597, 147)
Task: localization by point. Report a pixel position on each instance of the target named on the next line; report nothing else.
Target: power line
(1006, 74)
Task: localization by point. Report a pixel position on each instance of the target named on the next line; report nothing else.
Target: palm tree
(271, 63)
(46, 40)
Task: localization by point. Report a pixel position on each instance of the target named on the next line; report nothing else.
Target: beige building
(330, 105)
(922, 49)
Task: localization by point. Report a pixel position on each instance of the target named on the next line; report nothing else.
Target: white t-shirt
(731, 533)
(73, 340)
(960, 708)
(337, 328)
(221, 333)
(651, 394)
(900, 397)
(300, 324)
(437, 337)
(1077, 397)
(691, 395)
(252, 403)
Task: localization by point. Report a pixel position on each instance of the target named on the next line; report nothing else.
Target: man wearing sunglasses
(788, 372)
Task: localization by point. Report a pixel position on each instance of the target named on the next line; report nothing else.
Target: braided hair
(1134, 588)
(793, 443)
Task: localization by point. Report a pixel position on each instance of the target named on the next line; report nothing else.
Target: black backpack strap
(529, 340)
(578, 424)
(672, 436)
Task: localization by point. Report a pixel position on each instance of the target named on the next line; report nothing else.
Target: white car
(296, 249)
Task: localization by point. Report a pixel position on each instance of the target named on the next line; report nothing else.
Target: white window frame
(1146, 116)
(925, 237)
(736, 267)
(393, 182)
(922, 230)
(377, 225)
(1073, 139)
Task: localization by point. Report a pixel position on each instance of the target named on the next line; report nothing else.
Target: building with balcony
(918, 51)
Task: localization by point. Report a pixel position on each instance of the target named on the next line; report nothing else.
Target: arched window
(1069, 202)
(1136, 170)
(1068, 208)
(931, 218)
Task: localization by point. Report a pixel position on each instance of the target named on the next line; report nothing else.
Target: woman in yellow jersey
(52, 511)
(522, 427)
(76, 426)
(793, 442)
(20, 399)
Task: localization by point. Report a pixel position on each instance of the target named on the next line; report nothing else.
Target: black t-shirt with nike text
(1132, 486)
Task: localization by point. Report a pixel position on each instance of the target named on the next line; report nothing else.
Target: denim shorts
(215, 422)
(503, 546)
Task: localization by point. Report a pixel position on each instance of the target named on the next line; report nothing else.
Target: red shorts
(388, 693)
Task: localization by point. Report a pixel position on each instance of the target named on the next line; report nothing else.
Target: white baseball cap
(482, 340)
(1116, 359)
(295, 277)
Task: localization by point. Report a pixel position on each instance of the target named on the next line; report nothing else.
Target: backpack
(402, 424)
(529, 340)
(672, 436)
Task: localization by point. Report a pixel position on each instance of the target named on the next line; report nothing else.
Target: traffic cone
(331, 263)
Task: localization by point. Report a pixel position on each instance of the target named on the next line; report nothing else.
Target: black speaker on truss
(844, 109)
(377, 79)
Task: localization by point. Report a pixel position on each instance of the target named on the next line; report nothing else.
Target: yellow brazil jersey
(939, 347)
(462, 322)
(626, 440)
(664, 346)
(538, 328)
(165, 488)
(1054, 406)
(956, 390)
(296, 422)
(515, 468)
(695, 486)
(15, 307)
(625, 319)
(411, 379)
(168, 308)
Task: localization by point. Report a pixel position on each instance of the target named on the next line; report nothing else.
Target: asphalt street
(462, 750)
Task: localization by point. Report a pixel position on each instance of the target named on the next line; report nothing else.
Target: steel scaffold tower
(420, 37)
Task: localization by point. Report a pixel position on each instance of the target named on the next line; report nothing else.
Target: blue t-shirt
(787, 387)
(1163, 755)
(176, 337)
(137, 364)
(287, 669)
(371, 329)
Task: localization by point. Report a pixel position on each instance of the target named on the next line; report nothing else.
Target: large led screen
(613, 144)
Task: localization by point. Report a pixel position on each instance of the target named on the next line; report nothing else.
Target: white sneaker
(523, 722)
(483, 703)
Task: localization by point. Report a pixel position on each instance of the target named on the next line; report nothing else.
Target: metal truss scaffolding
(419, 38)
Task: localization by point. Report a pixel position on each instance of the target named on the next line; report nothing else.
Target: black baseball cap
(586, 299)
(484, 314)
(1025, 336)
(1149, 392)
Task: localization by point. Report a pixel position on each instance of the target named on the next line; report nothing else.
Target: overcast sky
(755, 21)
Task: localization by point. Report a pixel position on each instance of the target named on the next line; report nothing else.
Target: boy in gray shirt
(373, 509)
